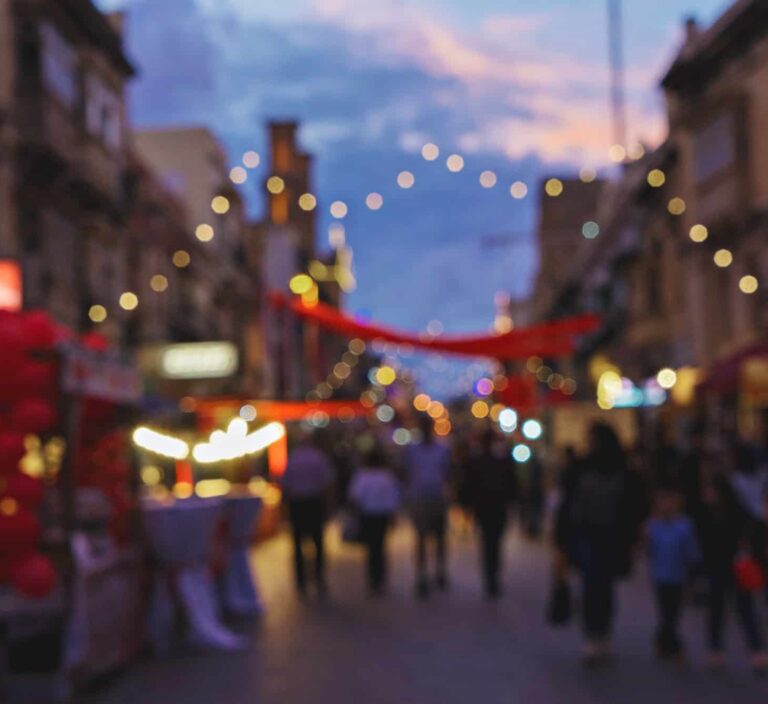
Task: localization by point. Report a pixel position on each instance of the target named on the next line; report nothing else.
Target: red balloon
(33, 575)
(11, 451)
(34, 415)
(38, 330)
(19, 532)
(27, 490)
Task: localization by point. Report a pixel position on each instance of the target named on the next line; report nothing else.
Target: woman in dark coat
(492, 487)
(602, 512)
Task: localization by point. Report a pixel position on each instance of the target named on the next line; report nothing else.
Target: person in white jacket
(375, 493)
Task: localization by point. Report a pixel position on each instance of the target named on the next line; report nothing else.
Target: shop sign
(86, 374)
(199, 360)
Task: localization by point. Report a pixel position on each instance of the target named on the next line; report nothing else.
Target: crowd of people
(699, 516)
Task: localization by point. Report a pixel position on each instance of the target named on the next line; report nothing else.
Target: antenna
(616, 51)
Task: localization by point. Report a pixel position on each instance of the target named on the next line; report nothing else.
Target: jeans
(307, 521)
(722, 588)
(491, 534)
(669, 603)
(373, 529)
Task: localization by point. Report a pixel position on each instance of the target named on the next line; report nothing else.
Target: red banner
(555, 339)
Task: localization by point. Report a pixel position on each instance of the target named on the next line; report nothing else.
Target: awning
(728, 375)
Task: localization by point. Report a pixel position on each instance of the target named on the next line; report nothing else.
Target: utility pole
(616, 53)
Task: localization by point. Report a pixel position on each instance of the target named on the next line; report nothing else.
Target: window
(715, 146)
(59, 65)
(103, 112)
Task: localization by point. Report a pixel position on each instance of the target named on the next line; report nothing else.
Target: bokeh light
(430, 151)
(220, 205)
(590, 230)
(553, 187)
(374, 201)
(275, 185)
(204, 232)
(532, 429)
(587, 174)
(455, 163)
(97, 313)
(421, 402)
(405, 179)
(158, 283)
(129, 300)
(301, 284)
(518, 190)
(238, 175)
(307, 202)
(480, 409)
(386, 376)
(617, 153)
(748, 284)
(666, 378)
(723, 258)
(676, 206)
(699, 233)
(484, 387)
(339, 209)
(521, 453)
(251, 159)
(656, 178)
(488, 179)
(181, 259)
(385, 413)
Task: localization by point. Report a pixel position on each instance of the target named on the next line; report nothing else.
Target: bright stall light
(248, 413)
(224, 447)
(532, 429)
(508, 420)
(521, 453)
(160, 444)
(667, 378)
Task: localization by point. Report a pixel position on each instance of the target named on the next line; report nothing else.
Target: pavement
(456, 648)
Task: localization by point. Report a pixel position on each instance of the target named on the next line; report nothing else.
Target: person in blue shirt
(672, 551)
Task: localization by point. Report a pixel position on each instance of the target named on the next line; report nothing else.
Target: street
(455, 648)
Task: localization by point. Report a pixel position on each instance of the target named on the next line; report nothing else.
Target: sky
(519, 87)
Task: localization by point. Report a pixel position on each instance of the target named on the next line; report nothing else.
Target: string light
(405, 179)
(307, 202)
(748, 284)
(158, 283)
(251, 159)
(220, 205)
(699, 233)
(97, 313)
(204, 233)
(518, 190)
(374, 201)
(455, 163)
(275, 185)
(587, 174)
(238, 175)
(129, 301)
(676, 206)
(723, 258)
(430, 151)
(339, 209)
(181, 259)
(656, 178)
(488, 179)
(553, 187)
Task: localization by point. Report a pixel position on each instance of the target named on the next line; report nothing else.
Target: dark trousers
(491, 534)
(373, 530)
(430, 520)
(596, 557)
(307, 521)
(722, 588)
(669, 604)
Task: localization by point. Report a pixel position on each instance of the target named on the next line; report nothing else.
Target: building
(63, 154)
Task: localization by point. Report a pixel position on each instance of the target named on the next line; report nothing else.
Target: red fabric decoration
(38, 330)
(19, 532)
(520, 392)
(27, 490)
(34, 415)
(33, 575)
(11, 451)
(555, 339)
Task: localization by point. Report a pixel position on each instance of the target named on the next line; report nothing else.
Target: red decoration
(520, 392)
(11, 342)
(749, 574)
(95, 341)
(33, 575)
(11, 451)
(38, 330)
(27, 490)
(556, 339)
(37, 378)
(34, 416)
(19, 532)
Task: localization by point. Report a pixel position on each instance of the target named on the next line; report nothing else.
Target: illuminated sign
(199, 360)
(631, 396)
(10, 285)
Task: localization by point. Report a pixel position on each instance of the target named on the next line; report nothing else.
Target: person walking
(724, 531)
(673, 551)
(427, 470)
(375, 493)
(605, 513)
(306, 485)
(492, 487)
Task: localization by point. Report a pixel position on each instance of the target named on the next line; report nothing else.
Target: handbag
(351, 530)
(560, 607)
(749, 574)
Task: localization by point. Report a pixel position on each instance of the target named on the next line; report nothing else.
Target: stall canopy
(728, 375)
(555, 339)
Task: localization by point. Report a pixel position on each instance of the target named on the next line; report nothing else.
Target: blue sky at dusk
(516, 86)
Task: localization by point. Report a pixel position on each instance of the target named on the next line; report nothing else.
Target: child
(672, 551)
